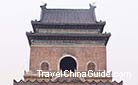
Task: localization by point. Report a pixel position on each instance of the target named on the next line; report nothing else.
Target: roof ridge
(66, 9)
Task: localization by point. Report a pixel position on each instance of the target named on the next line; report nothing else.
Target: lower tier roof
(68, 36)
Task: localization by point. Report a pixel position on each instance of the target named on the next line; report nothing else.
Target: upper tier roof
(68, 16)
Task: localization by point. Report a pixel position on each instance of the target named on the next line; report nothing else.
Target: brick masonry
(82, 54)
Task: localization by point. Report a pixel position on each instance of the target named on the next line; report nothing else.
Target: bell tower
(67, 39)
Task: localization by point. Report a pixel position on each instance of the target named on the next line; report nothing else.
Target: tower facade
(67, 39)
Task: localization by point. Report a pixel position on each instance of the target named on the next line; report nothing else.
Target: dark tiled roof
(69, 36)
(68, 16)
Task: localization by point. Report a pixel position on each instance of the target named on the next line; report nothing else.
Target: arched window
(44, 66)
(91, 66)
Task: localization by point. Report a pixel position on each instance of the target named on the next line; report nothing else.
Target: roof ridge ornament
(92, 6)
(43, 6)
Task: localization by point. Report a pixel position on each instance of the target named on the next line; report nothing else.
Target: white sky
(121, 17)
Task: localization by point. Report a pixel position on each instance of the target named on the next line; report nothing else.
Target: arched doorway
(68, 63)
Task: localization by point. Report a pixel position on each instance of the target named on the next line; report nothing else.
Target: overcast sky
(121, 18)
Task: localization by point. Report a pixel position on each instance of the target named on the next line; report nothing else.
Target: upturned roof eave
(69, 34)
(37, 24)
(43, 36)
